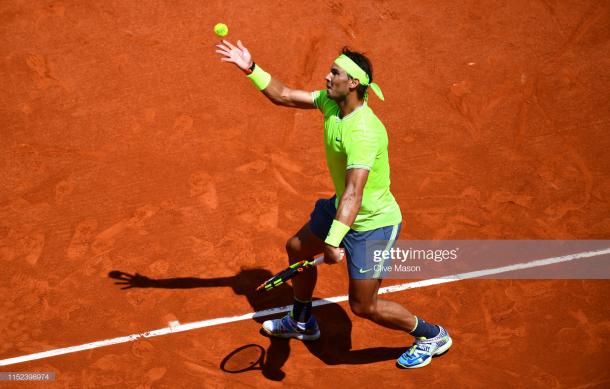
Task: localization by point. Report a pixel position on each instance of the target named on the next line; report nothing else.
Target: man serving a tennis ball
(363, 208)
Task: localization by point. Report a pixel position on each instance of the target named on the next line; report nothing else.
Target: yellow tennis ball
(221, 29)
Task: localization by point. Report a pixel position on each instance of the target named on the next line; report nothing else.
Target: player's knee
(364, 310)
(293, 246)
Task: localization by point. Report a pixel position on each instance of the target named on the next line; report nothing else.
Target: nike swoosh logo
(362, 271)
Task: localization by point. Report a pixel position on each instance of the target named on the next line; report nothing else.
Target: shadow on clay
(333, 347)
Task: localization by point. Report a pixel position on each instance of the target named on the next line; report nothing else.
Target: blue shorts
(359, 266)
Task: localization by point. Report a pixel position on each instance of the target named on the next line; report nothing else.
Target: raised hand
(239, 55)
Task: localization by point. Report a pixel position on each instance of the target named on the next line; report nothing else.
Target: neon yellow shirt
(359, 140)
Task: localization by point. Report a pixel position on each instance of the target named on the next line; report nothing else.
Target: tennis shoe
(421, 352)
(287, 327)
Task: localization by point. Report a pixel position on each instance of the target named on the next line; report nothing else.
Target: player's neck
(349, 104)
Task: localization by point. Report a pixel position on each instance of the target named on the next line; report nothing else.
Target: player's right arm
(275, 90)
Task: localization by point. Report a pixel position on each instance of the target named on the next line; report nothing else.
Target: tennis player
(363, 208)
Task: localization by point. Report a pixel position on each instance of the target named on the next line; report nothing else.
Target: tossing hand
(239, 55)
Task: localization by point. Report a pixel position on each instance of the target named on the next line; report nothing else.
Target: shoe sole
(298, 336)
(440, 351)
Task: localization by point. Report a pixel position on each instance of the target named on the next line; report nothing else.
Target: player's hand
(129, 281)
(239, 55)
(333, 255)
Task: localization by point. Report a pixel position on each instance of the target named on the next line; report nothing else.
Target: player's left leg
(365, 303)
(430, 339)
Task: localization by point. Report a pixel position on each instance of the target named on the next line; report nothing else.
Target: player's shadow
(333, 347)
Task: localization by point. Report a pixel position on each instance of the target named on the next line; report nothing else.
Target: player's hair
(364, 63)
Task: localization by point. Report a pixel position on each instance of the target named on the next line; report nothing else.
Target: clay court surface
(127, 146)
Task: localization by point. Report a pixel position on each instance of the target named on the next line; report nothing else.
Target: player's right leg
(305, 244)
(299, 323)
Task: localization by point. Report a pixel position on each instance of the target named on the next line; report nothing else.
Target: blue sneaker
(287, 327)
(421, 352)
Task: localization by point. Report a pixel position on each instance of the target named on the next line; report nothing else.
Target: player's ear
(353, 83)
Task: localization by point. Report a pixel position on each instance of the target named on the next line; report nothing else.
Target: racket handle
(318, 260)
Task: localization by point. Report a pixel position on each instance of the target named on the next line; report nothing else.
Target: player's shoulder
(370, 119)
(323, 102)
(317, 95)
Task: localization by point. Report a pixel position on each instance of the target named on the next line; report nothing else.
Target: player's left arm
(280, 94)
(349, 206)
(274, 90)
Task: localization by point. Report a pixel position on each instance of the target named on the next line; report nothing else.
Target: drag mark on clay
(104, 241)
(202, 187)
(182, 127)
(279, 161)
(38, 65)
(32, 247)
(81, 240)
(282, 181)
(19, 245)
(63, 189)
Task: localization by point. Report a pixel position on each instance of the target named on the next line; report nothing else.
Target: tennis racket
(290, 272)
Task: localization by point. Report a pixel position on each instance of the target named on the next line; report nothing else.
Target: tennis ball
(221, 29)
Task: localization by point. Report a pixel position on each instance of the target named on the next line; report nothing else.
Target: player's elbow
(279, 100)
(276, 94)
(284, 98)
(275, 98)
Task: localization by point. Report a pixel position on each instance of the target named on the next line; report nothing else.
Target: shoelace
(288, 325)
(285, 325)
(419, 347)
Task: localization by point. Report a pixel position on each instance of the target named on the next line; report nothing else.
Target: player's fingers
(223, 47)
(226, 42)
(223, 53)
(225, 59)
(329, 261)
(241, 45)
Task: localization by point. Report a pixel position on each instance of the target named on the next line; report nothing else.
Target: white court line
(273, 311)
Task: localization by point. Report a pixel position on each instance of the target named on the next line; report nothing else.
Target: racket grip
(318, 260)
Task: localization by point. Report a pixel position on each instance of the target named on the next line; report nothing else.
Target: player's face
(337, 83)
